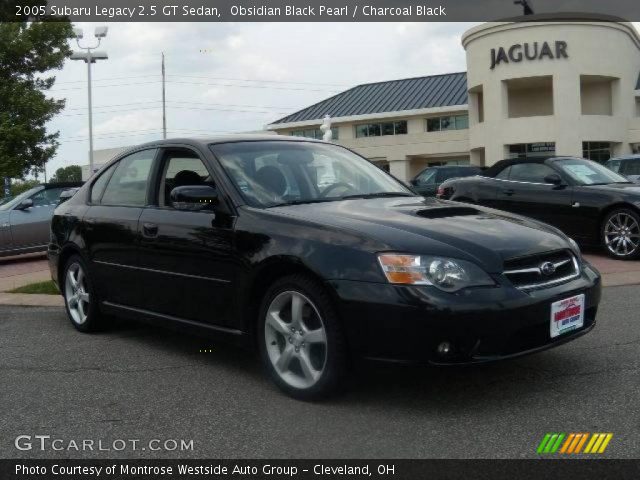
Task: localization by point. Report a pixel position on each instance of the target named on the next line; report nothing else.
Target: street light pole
(89, 56)
(90, 112)
(164, 107)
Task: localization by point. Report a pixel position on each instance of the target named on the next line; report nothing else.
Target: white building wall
(593, 48)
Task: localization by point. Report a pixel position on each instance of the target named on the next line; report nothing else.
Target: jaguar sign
(528, 51)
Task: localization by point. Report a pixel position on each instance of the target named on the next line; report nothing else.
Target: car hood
(622, 188)
(435, 227)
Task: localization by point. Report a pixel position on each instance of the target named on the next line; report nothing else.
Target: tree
(19, 187)
(72, 173)
(28, 50)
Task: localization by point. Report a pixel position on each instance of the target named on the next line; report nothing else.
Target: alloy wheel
(76, 294)
(622, 234)
(296, 339)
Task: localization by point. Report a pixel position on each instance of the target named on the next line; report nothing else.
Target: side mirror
(25, 204)
(194, 197)
(66, 195)
(553, 179)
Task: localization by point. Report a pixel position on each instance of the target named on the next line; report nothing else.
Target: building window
(596, 95)
(529, 97)
(380, 129)
(597, 151)
(314, 133)
(451, 122)
(532, 150)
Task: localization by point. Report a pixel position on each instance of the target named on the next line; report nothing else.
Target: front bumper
(53, 255)
(407, 323)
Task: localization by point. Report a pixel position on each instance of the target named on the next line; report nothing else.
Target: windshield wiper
(606, 183)
(301, 202)
(378, 195)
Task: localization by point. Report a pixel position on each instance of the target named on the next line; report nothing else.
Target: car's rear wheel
(301, 340)
(621, 234)
(79, 297)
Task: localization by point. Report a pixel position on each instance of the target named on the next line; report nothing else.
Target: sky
(232, 77)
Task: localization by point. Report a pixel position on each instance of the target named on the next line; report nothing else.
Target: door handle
(508, 191)
(149, 229)
(89, 223)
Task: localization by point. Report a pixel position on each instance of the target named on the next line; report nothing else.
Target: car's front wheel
(79, 297)
(621, 234)
(300, 337)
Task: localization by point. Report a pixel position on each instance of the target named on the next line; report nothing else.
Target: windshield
(271, 173)
(15, 201)
(587, 172)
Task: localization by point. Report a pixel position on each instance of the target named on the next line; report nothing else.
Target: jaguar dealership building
(566, 85)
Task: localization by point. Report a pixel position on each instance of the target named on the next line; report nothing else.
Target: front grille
(543, 270)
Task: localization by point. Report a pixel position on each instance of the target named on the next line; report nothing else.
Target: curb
(31, 300)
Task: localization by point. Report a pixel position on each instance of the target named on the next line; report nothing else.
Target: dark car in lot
(587, 201)
(628, 166)
(25, 219)
(426, 183)
(232, 237)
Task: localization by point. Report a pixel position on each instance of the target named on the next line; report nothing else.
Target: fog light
(444, 348)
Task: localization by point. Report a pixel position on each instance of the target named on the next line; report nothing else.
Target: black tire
(94, 321)
(616, 249)
(334, 370)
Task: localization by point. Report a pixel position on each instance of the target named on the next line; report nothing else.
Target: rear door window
(97, 189)
(446, 173)
(530, 172)
(49, 196)
(130, 181)
(504, 174)
(428, 177)
(614, 165)
(631, 167)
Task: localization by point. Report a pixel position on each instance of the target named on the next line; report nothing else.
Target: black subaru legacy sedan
(313, 256)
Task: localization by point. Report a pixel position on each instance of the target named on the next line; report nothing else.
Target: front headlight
(574, 246)
(447, 274)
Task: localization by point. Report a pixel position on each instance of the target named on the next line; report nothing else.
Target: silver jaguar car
(24, 219)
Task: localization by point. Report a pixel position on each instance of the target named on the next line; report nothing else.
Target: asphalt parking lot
(135, 382)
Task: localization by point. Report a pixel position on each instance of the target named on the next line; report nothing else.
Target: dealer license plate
(567, 315)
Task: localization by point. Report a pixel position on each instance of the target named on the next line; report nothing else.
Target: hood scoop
(445, 212)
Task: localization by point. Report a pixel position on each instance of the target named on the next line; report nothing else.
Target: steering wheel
(333, 186)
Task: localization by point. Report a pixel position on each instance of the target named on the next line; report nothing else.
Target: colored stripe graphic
(581, 442)
(567, 442)
(573, 443)
(543, 443)
(593, 440)
(551, 442)
(555, 447)
(577, 438)
(598, 443)
(606, 441)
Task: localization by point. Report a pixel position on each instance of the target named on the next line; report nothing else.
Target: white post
(90, 113)
(327, 134)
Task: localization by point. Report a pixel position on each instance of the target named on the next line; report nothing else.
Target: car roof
(437, 167)
(61, 185)
(634, 156)
(204, 141)
(235, 137)
(500, 165)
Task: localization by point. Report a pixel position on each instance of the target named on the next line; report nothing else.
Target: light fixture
(101, 32)
(90, 55)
